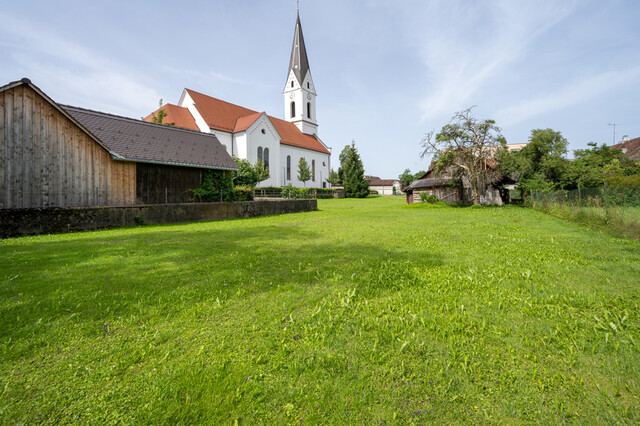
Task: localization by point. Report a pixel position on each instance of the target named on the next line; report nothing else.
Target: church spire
(299, 62)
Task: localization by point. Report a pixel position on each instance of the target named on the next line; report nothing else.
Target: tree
(355, 185)
(463, 146)
(158, 119)
(248, 174)
(541, 165)
(304, 171)
(407, 177)
(333, 178)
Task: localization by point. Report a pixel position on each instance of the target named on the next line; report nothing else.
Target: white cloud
(467, 44)
(576, 93)
(84, 77)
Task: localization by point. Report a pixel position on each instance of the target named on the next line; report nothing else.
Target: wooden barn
(53, 155)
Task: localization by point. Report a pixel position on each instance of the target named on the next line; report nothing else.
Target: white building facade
(256, 136)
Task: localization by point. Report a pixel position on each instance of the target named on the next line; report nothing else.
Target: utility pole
(614, 131)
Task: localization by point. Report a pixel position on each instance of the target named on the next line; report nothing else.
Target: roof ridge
(146, 123)
(220, 100)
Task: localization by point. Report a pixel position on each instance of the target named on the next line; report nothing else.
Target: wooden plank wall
(47, 161)
(159, 184)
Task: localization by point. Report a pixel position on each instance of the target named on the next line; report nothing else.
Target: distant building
(384, 186)
(630, 147)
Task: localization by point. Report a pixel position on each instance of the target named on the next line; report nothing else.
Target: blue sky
(386, 72)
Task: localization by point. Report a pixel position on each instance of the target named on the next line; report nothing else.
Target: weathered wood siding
(160, 184)
(47, 161)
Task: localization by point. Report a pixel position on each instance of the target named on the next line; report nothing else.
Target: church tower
(299, 91)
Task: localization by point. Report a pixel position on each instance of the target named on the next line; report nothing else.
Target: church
(257, 136)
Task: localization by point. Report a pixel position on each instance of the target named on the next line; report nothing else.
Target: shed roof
(140, 141)
(431, 183)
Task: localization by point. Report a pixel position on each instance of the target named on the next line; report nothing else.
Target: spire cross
(298, 1)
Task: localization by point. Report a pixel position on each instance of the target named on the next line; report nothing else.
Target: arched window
(288, 167)
(266, 158)
(259, 153)
(308, 86)
(291, 83)
(309, 109)
(313, 170)
(293, 109)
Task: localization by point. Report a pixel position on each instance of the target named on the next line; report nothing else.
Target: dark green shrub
(217, 185)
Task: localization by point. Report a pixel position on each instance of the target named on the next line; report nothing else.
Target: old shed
(61, 156)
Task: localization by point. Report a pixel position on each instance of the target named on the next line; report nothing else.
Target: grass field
(365, 311)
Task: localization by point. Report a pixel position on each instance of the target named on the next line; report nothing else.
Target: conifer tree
(355, 185)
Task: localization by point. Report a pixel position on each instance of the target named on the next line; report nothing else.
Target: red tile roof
(244, 123)
(175, 114)
(228, 117)
(631, 148)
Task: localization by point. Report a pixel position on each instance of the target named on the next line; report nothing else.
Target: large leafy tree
(355, 185)
(541, 165)
(304, 171)
(463, 147)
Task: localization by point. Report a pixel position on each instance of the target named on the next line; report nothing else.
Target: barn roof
(431, 183)
(136, 140)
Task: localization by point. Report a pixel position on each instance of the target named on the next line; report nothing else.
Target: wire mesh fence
(614, 208)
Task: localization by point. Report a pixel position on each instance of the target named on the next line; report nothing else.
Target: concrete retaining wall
(18, 222)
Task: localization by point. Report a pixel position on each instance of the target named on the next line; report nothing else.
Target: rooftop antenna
(614, 131)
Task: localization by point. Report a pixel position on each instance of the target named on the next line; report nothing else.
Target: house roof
(231, 118)
(631, 148)
(178, 115)
(299, 62)
(430, 183)
(376, 181)
(135, 140)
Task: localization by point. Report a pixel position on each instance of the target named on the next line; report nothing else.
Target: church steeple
(299, 91)
(299, 62)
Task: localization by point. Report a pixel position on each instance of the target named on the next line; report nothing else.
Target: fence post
(606, 195)
(579, 197)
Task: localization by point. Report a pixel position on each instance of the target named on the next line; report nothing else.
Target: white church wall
(240, 145)
(187, 102)
(263, 134)
(225, 139)
(322, 165)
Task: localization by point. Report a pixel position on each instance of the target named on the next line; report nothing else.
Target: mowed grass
(365, 311)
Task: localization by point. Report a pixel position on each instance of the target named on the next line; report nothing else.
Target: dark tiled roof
(430, 183)
(376, 181)
(631, 148)
(299, 62)
(137, 140)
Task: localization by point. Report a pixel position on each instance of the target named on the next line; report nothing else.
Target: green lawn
(364, 311)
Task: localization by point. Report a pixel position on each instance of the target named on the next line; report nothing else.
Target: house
(257, 136)
(53, 155)
(630, 147)
(384, 186)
